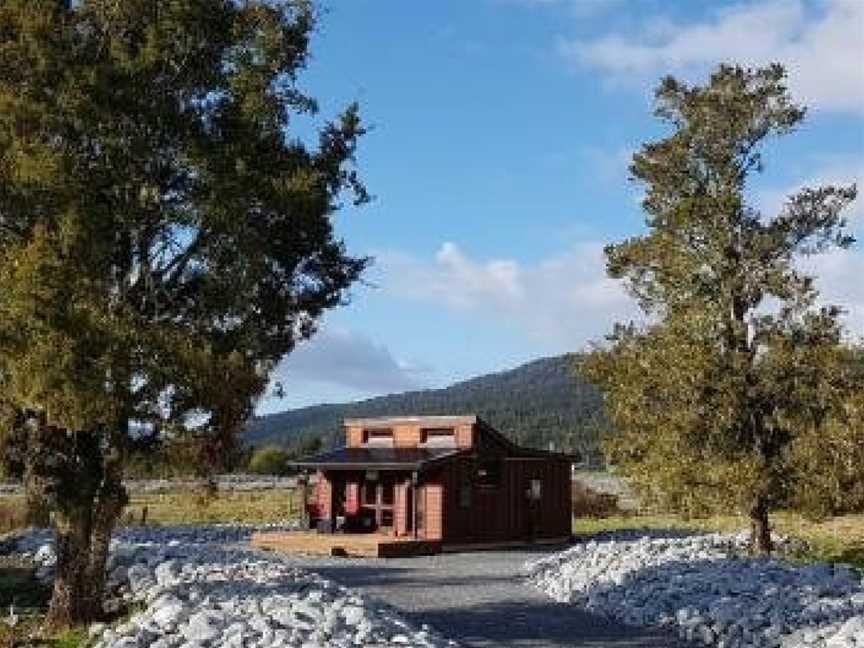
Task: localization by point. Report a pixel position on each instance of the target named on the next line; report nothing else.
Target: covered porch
(376, 490)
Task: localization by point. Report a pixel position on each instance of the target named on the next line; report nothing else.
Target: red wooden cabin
(448, 479)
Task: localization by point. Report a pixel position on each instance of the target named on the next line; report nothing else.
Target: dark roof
(376, 458)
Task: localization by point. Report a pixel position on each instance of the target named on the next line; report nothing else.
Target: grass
(188, 507)
(839, 539)
(199, 507)
(19, 587)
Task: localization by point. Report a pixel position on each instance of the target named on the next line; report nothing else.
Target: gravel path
(481, 599)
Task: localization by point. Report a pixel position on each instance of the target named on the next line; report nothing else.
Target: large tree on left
(165, 238)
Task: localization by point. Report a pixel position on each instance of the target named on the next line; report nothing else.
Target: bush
(588, 502)
(269, 460)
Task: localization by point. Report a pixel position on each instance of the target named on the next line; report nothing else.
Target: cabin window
(369, 494)
(489, 473)
(535, 492)
(439, 437)
(378, 437)
(387, 492)
(465, 495)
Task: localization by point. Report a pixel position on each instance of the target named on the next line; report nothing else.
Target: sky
(501, 132)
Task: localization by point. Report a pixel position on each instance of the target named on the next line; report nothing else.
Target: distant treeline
(541, 404)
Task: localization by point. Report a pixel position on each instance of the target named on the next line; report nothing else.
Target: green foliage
(537, 404)
(828, 462)
(735, 361)
(269, 460)
(165, 235)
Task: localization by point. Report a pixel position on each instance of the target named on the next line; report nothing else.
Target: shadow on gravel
(403, 577)
(481, 600)
(534, 624)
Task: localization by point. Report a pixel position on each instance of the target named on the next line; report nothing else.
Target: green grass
(839, 539)
(187, 506)
(199, 507)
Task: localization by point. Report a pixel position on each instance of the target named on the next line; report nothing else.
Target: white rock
(705, 586)
(168, 612)
(199, 592)
(45, 556)
(353, 614)
(203, 626)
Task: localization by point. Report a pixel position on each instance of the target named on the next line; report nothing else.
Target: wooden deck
(368, 545)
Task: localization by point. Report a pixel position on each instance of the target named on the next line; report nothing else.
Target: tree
(309, 445)
(735, 360)
(165, 238)
(269, 460)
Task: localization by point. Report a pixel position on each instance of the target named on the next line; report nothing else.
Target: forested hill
(537, 404)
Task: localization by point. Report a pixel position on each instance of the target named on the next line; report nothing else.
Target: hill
(540, 404)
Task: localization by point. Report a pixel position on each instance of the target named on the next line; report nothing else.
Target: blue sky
(501, 134)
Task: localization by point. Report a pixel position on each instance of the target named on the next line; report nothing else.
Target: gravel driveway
(480, 599)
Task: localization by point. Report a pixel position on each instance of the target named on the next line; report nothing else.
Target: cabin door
(379, 498)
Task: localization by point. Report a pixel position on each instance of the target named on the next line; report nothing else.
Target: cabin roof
(377, 458)
(425, 421)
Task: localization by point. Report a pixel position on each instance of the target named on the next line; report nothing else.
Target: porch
(380, 491)
(365, 545)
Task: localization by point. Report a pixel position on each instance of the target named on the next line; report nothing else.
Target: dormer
(413, 432)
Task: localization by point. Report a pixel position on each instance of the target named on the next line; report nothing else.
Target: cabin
(449, 480)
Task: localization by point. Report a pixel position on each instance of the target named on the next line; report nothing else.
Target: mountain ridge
(541, 404)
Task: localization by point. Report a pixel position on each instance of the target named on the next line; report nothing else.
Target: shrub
(269, 460)
(588, 502)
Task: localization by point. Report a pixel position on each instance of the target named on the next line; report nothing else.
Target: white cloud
(564, 301)
(612, 165)
(350, 360)
(838, 277)
(577, 8)
(567, 301)
(823, 53)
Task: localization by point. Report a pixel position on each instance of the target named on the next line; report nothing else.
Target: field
(837, 540)
(188, 507)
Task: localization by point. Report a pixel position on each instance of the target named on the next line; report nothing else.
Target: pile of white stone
(199, 587)
(707, 589)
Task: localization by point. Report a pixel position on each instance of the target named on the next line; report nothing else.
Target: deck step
(366, 545)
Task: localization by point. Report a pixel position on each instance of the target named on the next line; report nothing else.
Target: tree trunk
(89, 499)
(109, 505)
(760, 531)
(69, 603)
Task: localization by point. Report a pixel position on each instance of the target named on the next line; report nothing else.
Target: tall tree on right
(736, 359)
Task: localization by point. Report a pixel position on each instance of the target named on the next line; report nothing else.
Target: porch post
(302, 480)
(335, 484)
(414, 481)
